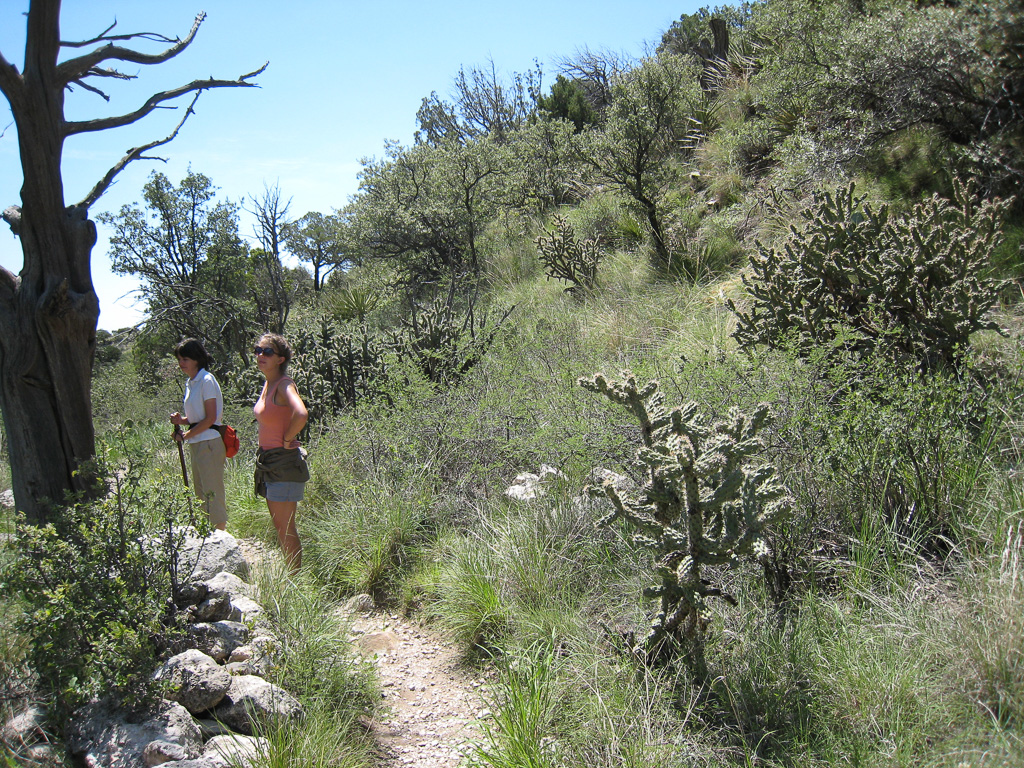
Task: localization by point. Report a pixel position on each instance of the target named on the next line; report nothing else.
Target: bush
(97, 588)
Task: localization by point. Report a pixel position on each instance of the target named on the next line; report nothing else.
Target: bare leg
(283, 515)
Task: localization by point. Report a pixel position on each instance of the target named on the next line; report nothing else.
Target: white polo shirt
(197, 391)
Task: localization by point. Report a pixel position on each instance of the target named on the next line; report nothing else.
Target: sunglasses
(265, 351)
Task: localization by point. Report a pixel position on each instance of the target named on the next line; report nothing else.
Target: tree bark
(47, 344)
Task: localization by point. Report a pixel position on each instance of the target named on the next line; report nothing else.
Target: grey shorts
(281, 491)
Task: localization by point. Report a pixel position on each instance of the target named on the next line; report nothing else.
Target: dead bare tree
(273, 304)
(594, 72)
(48, 312)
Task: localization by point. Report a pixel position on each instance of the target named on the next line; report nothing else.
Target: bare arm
(210, 406)
(300, 415)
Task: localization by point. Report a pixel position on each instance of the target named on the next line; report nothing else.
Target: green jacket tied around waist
(279, 465)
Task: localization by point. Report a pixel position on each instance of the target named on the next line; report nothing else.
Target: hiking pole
(181, 454)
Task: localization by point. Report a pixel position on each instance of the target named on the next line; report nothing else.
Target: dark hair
(281, 346)
(193, 349)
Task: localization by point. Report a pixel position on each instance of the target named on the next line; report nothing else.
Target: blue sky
(343, 78)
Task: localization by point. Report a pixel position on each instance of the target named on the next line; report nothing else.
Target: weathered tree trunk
(47, 343)
(661, 254)
(47, 316)
(714, 57)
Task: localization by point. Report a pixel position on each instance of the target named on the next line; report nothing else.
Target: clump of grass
(326, 738)
(314, 660)
(469, 603)
(994, 635)
(523, 705)
(361, 540)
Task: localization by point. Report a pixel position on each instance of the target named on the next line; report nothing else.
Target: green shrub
(913, 286)
(608, 219)
(704, 504)
(97, 585)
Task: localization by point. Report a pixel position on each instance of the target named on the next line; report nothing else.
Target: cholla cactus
(443, 341)
(566, 258)
(335, 369)
(912, 286)
(705, 503)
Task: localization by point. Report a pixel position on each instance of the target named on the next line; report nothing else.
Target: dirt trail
(434, 706)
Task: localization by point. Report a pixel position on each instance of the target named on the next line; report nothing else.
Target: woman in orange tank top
(281, 470)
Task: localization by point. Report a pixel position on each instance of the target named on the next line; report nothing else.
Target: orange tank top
(273, 419)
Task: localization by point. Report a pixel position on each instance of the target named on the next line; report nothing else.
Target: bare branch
(12, 215)
(154, 101)
(74, 69)
(136, 153)
(113, 73)
(104, 36)
(93, 88)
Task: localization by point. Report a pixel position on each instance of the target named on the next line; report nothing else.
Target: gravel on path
(434, 706)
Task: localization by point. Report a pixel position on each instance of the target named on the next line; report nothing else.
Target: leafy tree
(424, 207)
(860, 74)
(568, 101)
(544, 168)
(185, 249)
(107, 350)
(955, 69)
(651, 113)
(322, 242)
(48, 312)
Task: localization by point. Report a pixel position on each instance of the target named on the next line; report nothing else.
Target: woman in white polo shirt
(203, 408)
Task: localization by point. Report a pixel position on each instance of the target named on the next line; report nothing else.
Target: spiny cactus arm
(743, 426)
(714, 498)
(764, 501)
(638, 514)
(644, 403)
